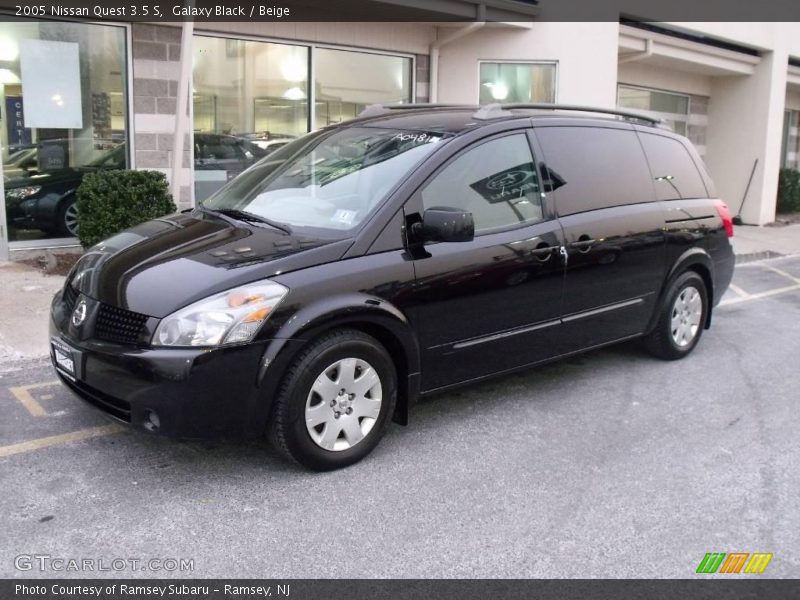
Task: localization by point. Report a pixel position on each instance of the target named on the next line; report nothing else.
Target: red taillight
(725, 215)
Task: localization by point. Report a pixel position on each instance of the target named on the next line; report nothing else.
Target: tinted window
(672, 167)
(495, 181)
(594, 167)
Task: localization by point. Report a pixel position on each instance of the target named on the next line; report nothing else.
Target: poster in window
(18, 134)
(51, 84)
(508, 184)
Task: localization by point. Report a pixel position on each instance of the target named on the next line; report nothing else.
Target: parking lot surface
(610, 464)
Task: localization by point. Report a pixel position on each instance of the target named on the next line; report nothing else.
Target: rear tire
(682, 318)
(336, 401)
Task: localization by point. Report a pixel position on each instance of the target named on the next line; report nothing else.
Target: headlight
(227, 318)
(21, 193)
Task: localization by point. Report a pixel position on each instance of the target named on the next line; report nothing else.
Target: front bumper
(195, 393)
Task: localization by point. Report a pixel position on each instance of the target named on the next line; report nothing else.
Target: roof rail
(627, 114)
(495, 111)
(374, 110)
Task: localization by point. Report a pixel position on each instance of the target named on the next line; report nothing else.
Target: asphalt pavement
(611, 464)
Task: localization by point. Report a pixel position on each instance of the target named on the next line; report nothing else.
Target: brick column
(156, 67)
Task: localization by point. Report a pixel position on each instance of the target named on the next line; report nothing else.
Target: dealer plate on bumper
(66, 359)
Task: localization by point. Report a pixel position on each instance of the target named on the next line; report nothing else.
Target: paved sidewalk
(25, 293)
(748, 239)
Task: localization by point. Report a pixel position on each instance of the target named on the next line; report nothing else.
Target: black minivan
(316, 296)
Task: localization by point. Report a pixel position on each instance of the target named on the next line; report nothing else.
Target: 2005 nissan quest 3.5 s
(319, 294)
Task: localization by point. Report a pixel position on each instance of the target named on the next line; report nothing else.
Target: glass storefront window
(348, 81)
(508, 83)
(250, 98)
(63, 112)
(790, 148)
(673, 109)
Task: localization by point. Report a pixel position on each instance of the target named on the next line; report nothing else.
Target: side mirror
(444, 224)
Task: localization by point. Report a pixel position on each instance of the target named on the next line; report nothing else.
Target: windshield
(329, 180)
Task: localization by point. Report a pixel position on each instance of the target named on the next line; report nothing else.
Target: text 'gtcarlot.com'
(45, 562)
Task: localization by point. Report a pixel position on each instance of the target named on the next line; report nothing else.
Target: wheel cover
(687, 312)
(344, 404)
(71, 219)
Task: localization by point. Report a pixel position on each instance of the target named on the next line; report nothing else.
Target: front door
(491, 304)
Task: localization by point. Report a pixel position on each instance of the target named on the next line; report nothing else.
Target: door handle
(583, 244)
(543, 253)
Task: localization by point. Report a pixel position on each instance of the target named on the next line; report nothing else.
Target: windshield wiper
(243, 215)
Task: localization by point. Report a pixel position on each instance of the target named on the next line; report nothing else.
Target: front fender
(369, 313)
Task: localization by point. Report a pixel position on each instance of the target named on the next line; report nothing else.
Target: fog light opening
(151, 421)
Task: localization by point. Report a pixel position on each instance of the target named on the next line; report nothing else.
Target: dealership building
(75, 91)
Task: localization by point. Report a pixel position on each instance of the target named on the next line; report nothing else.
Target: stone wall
(156, 67)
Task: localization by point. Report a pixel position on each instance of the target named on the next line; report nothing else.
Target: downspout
(182, 125)
(648, 52)
(457, 34)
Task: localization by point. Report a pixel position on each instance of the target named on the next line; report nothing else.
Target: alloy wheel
(71, 219)
(344, 404)
(687, 312)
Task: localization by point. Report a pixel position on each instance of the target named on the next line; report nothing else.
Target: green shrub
(789, 191)
(109, 201)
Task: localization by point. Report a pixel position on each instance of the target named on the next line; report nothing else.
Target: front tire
(336, 401)
(682, 319)
(67, 218)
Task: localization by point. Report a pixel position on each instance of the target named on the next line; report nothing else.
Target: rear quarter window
(594, 167)
(674, 172)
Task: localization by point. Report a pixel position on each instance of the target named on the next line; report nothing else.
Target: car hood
(162, 265)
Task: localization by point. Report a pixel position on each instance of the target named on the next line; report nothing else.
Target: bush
(109, 201)
(789, 191)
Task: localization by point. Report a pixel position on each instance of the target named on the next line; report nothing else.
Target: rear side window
(495, 181)
(674, 172)
(594, 167)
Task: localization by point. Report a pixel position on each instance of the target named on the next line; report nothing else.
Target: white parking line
(739, 291)
(774, 292)
(783, 273)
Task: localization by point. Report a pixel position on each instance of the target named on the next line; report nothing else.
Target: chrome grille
(70, 297)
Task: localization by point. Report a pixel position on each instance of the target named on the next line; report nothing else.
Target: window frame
(526, 132)
(641, 133)
(312, 48)
(509, 61)
(8, 246)
(660, 114)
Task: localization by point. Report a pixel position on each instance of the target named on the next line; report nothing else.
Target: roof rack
(627, 114)
(374, 110)
(495, 111)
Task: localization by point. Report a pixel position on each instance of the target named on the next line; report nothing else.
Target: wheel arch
(694, 259)
(371, 315)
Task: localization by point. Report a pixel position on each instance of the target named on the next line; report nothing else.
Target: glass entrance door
(63, 113)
